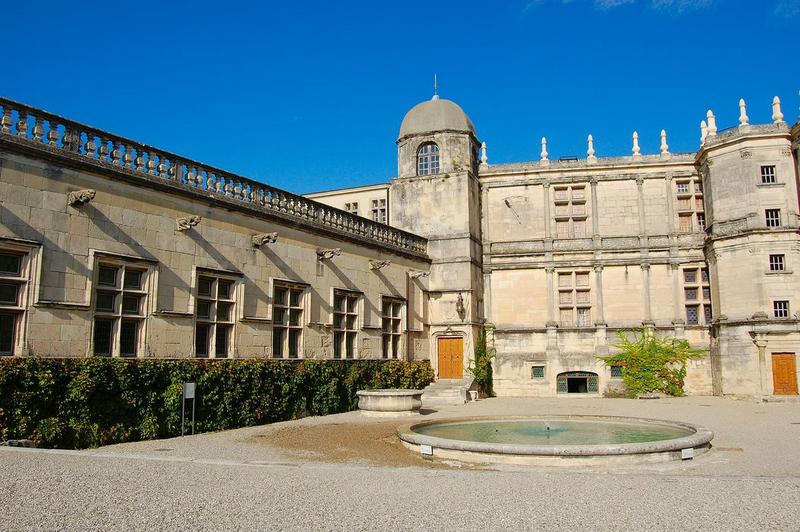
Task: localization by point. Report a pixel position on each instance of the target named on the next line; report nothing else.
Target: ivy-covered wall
(78, 403)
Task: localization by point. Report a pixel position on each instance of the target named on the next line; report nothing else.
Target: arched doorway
(577, 382)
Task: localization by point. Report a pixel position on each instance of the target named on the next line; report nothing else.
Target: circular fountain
(557, 440)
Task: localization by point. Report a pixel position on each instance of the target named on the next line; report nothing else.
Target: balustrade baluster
(190, 175)
(102, 151)
(237, 190)
(151, 163)
(38, 130)
(218, 185)
(163, 166)
(52, 135)
(139, 162)
(90, 146)
(6, 120)
(116, 153)
(22, 124)
(127, 157)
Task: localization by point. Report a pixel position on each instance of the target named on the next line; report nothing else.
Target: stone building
(112, 247)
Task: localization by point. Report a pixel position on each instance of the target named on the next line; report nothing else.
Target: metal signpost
(188, 393)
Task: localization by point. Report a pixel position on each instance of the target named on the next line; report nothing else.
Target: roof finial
(590, 157)
(435, 88)
(664, 145)
(744, 120)
(544, 160)
(637, 152)
(777, 115)
(712, 124)
(703, 132)
(484, 157)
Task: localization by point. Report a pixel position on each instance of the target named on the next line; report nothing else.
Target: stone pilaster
(648, 310)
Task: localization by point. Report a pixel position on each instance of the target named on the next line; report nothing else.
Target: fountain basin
(570, 440)
(389, 402)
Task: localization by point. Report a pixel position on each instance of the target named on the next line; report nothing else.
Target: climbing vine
(652, 363)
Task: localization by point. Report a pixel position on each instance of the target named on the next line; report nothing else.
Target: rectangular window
(616, 372)
(215, 315)
(773, 217)
(691, 294)
(391, 327)
(379, 211)
(574, 299)
(682, 188)
(345, 323)
(776, 263)
(569, 208)
(583, 317)
(685, 204)
(692, 317)
(768, 175)
(780, 309)
(13, 289)
(707, 314)
(8, 327)
(689, 276)
(119, 309)
(352, 208)
(685, 223)
(287, 319)
(701, 221)
(537, 372)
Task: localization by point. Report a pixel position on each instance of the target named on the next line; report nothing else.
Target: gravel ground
(306, 475)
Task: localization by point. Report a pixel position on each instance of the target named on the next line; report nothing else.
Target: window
(683, 188)
(691, 209)
(537, 372)
(390, 326)
(352, 208)
(13, 284)
(616, 372)
(776, 263)
(379, 210)
(685, 223)
(287, 320)
(697, 296)
(214, 316)
(574, 299)
(345, 324)
(768, 175)
(120, 298)
(428, 159)
(780, 309)
(569, 210)
(773, 217)
(701, 221)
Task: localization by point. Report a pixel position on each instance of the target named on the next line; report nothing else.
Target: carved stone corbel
(460, 310)
(76, 198)
(264, 238)
(418, 275)
(328, 254)
(187, 222)
(378, 264)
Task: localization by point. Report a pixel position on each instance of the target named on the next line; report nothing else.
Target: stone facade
(553, 257)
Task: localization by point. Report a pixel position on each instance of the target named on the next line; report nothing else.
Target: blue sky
(310, 95)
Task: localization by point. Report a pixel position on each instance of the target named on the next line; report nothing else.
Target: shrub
(481, 366)
(77, 403)
(651, 363)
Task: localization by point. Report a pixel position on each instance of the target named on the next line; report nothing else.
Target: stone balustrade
(34, 128)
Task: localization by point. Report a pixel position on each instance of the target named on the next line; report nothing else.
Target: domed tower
(437, 195)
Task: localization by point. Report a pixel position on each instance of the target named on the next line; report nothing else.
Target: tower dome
(435, 115)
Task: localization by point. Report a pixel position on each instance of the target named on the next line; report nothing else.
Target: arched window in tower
(428, 159)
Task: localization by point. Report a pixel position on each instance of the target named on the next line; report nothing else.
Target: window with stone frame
(691, 209)
(574, 299)
(537, 372)
(287, 319)
(345, 323)
(379, 210)
(777, 263)
(215, 315)
(780, 309)
(773, 217)
(14, 281)
(768, 175)
(428, 159)
(697, 296)
(351, 207)
(391, 327)
(570, 211)
(120, 308)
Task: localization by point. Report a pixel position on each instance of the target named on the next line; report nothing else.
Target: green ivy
(481, 366)
(87, 402)
(651, 363)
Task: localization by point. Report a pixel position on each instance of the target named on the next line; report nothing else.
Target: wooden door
(784, 374)
(451, 358)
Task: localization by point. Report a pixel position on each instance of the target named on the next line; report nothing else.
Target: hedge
(87, 402)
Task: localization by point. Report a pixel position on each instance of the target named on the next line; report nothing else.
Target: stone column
(551, 321)
(648, 311)
(761, 344)
(601, 330)
(595, 212)
(677, 314)
(547, 223)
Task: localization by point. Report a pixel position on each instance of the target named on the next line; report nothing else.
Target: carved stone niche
(264, 238)
(378, 264)
(76, 198)
(187, 222)
(328, 254)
